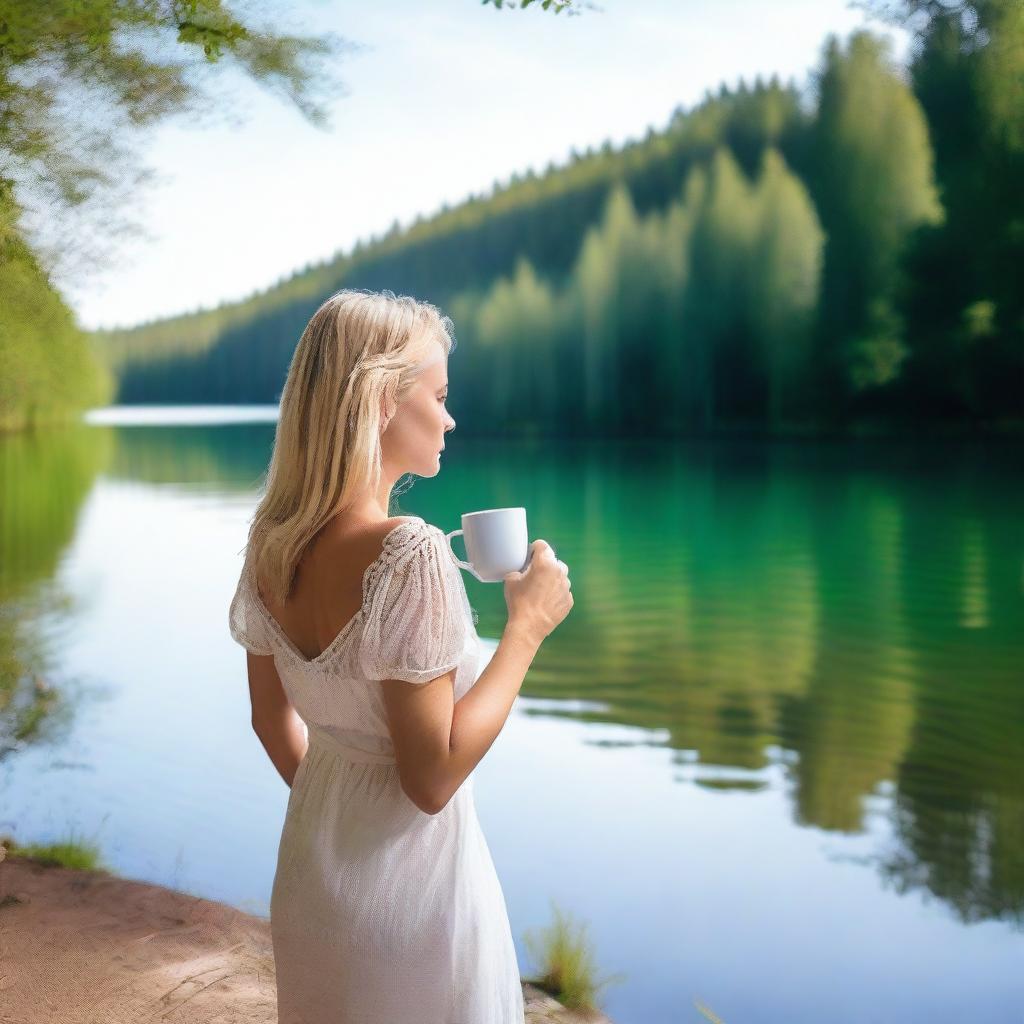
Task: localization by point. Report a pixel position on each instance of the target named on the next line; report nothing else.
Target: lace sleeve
(245, 621)
(416, 627)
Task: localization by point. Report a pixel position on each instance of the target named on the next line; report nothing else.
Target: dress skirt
(381, 913)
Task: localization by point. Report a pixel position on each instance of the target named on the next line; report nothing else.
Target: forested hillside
(770, 260)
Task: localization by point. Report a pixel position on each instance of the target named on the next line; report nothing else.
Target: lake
(773, 760)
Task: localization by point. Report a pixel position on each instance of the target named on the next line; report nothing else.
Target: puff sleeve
(416, 626)
(246, 622)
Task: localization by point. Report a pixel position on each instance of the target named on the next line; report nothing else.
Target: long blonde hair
(360, 351)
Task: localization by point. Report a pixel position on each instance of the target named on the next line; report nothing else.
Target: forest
(841, 256)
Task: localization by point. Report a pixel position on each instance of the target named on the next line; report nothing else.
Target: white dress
(379, 912)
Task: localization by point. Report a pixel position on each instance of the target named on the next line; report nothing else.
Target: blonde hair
(360, 351)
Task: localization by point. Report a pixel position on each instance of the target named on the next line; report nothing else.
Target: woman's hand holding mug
(540, 596)
(536, 583)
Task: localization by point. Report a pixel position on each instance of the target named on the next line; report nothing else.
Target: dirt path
(84, 947)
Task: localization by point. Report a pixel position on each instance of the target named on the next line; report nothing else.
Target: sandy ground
(85, 947)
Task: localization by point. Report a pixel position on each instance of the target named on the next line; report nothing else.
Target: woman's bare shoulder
(362, 543)
(353, 535)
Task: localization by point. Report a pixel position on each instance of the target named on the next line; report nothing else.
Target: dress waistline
(319, 735)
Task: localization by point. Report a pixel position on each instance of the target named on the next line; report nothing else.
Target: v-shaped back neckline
(385, 549)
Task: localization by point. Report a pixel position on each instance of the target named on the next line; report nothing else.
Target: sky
(442, 100)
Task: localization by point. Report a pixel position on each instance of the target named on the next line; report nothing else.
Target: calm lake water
(773, 760)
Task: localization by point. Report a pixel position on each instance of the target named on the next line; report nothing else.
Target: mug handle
(462, 565)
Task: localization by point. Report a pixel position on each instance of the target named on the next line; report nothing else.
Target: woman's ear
(388, 403)
(387, 412)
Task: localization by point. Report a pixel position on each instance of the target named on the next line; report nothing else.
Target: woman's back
(413, 622)
(328, 591)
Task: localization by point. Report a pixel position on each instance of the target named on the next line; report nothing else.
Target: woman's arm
(480, 714)
(438, 740)
(274, 720)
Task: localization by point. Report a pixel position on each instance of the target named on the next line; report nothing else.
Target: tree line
(761, 262)
(774, 259)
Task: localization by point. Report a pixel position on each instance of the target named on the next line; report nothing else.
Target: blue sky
(443, 99)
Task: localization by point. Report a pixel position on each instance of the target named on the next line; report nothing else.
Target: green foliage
(566, 962)
(873, 185)
(517, 326)
(209, 26)
(755, 258)
(77, 78)
(658, 314)
(70, 853)
(757, 262)
(877, 352)
(983, 37)
(968, 71)
(620, 304)
(49, 370)
(785, 272)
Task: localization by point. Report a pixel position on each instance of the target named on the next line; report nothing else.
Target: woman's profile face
(414, 437)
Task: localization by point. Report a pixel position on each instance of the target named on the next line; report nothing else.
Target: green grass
(69, 853)
(566, 962)
(567, 968)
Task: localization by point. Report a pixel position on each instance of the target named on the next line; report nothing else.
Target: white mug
(496, 543)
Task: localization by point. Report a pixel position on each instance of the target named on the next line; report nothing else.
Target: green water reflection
(853, 611)
(44, 479)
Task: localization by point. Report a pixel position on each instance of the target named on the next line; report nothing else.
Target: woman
(385, 908)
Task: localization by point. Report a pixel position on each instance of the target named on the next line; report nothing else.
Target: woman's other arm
(274, 720)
